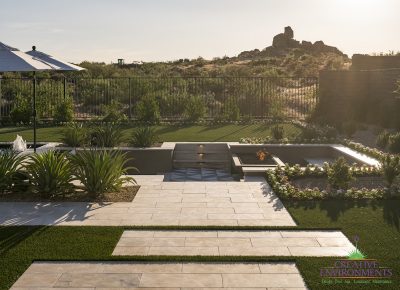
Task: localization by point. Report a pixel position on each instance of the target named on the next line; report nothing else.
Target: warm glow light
(174, 29)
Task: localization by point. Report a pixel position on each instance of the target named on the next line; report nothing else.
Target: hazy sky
(150, 30)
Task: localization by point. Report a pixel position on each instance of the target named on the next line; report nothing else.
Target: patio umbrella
(60, 64)
(14, 60)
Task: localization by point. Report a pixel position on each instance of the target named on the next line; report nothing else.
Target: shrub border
(278, 179)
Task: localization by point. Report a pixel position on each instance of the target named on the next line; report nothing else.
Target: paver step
(233, 243)
(134, 275)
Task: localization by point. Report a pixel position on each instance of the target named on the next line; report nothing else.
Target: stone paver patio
(157, 203)
(234, 243)
(163, 203)
(132, 275)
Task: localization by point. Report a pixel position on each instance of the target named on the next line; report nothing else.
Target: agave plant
(144, 137)
(50, 174)
(74, 135)
(101, 171)
(107, 135)
(10, 163)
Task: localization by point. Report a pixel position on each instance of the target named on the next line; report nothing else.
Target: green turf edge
(34, 230)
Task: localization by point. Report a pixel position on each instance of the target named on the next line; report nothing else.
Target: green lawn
(171, 133)
(376, 223)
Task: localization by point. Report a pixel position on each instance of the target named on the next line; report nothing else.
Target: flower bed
(372, 152)
(291, 183)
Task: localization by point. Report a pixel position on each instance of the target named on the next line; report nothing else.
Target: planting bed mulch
(126, 194)
(369, 182)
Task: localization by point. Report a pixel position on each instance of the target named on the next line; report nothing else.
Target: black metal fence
(220, 97)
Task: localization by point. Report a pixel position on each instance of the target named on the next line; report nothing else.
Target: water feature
(19, 144)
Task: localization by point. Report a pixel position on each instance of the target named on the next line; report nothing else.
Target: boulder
(289, 32)
(306, 44)
(285, 40)
(249, 54)
(321, 47)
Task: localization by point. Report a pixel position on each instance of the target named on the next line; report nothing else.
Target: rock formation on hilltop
(282, 43)
(285, 40)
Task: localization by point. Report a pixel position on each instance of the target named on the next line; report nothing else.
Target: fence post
(130, 99)
(1, 95)
(65, 88)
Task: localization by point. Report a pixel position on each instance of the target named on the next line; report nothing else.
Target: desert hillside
(285, 57)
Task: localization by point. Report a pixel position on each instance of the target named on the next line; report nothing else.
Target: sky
(162, 30)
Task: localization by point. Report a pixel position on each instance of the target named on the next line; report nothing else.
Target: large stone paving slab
(163, 203)
(132, 275)
(234, 243)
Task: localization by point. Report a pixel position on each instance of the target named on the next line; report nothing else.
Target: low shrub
(394, 143)
(383, 139)
(278, 132)
(100, 171)
(64, 111)
(50, 174)
(390, 168)
(148, 110)
(280, 184)
(114, 112)
(296, 140)
(172, 104)
(195, 109)
(74, 135)
(22, 111)
(144, 137)
(231, 110)
(10, 163)
(107, 135)
(373, 152)
(339, 174)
